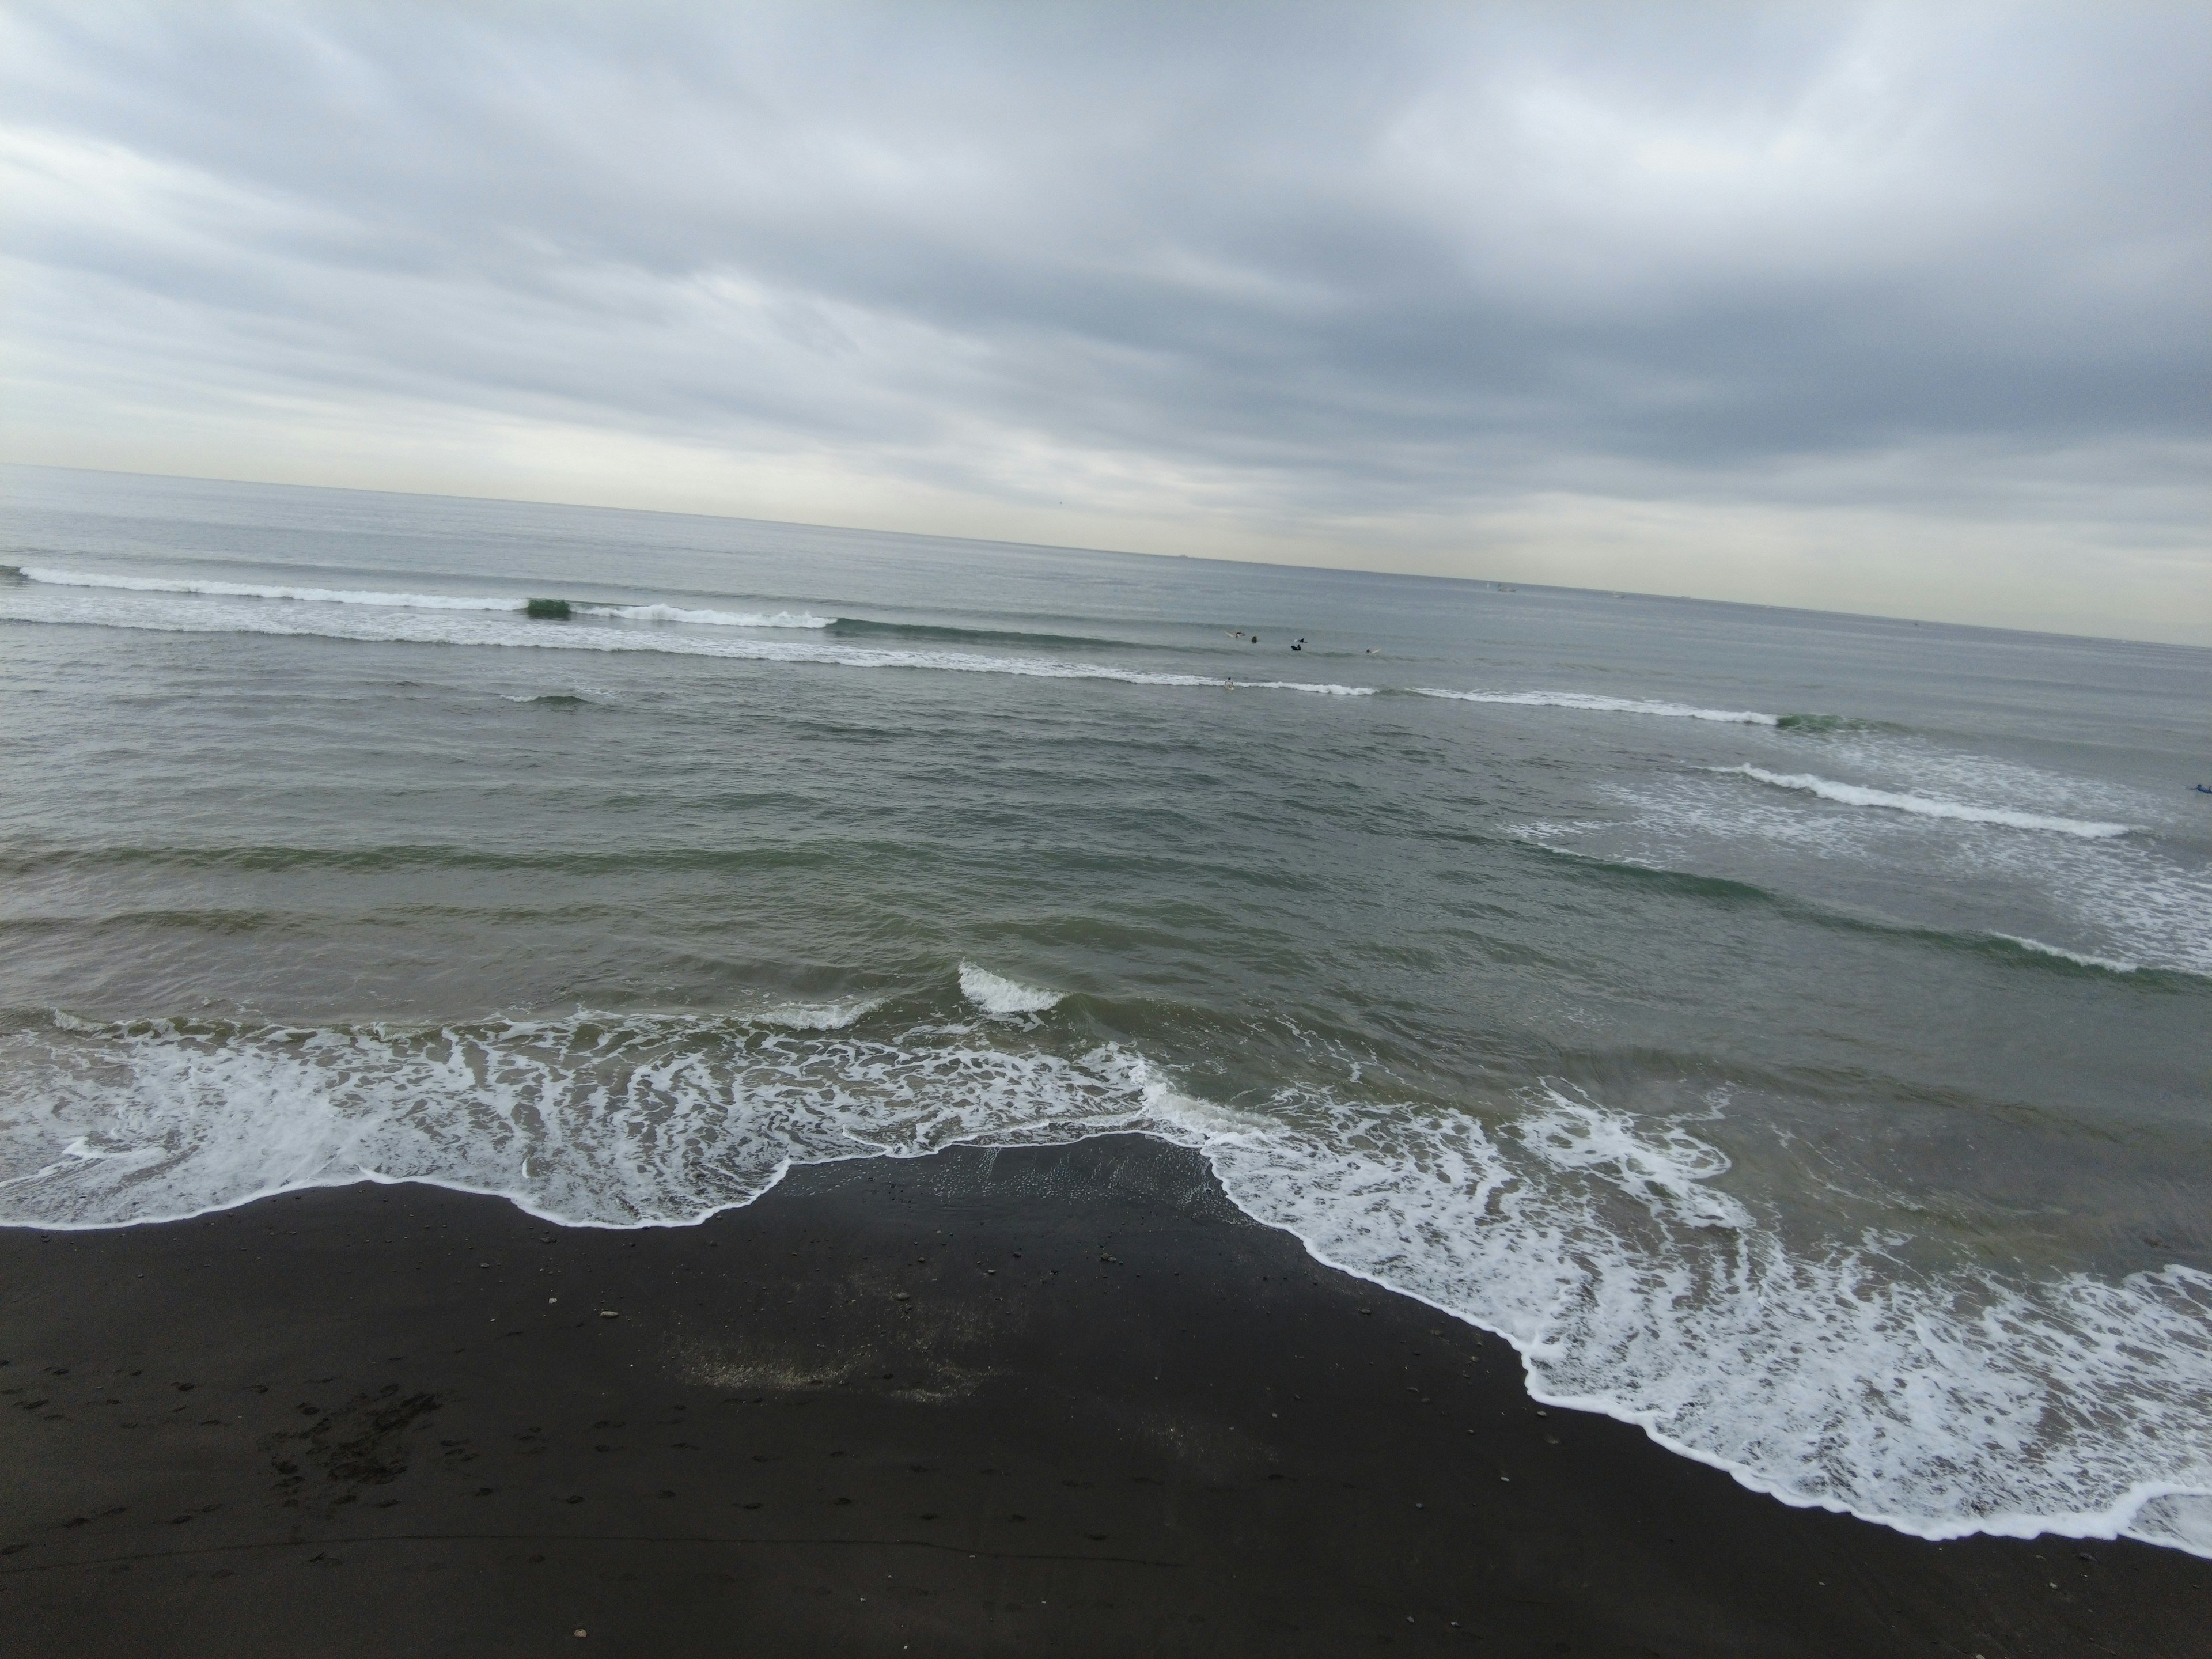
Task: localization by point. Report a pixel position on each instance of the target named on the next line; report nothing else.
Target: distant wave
(1853, 794)
(1593, 700)
(209, 588)
(869, 628)
(224, 590)
(1826, 723)
(707, 619)
(447, 626)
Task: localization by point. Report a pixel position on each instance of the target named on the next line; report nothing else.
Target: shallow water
(1788, 1030)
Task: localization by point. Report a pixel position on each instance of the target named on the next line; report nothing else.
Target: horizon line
(1118, 552)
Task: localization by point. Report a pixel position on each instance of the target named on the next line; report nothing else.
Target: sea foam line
(1944, 1407)
(213, 588)
(1598, 1242)
(1600, 703)
(1853, 794)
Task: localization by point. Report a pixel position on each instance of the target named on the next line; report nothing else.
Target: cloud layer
(1898, 308)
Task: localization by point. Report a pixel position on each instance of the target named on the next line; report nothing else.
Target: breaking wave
(707, 618)
(1604, 1246)
(2079, 959)
(994, 995)
(1853, 794)
(1593, 702)
(454, 625)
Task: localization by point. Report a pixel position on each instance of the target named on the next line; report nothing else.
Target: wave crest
(994, 995)
(1597, 703)
(709, 618)
(1853, 794)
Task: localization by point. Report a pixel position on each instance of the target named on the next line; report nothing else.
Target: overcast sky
(1904, 309)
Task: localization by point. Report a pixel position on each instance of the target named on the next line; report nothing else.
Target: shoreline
(1063, 1399)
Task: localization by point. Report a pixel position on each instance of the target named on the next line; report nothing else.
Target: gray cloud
(1375, 282)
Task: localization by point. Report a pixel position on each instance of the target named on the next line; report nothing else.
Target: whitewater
(1605, 1247)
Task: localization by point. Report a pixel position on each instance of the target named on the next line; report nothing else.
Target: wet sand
(1060, 1400)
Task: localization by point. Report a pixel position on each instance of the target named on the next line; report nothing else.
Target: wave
(1728, 891)
(1595, 1243)
(1831, 723)
(1853, 794)
(1604, 1246)
(1595, 702)
(994, 995)
(2106, 964)
(229, 590)
(447, 626)
(868, 628)
(819, 1016)
(707, 618)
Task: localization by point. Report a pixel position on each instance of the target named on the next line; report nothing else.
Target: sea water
(1790, 1032)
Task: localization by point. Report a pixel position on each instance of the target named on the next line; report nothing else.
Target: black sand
(1061, 1401)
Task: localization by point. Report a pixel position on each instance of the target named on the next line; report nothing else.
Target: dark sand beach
(1062, 1400)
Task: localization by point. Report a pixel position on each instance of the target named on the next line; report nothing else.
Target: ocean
(1790, 1032)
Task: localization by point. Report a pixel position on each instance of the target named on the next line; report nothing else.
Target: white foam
(593, 1120)
(1853, 794)
(2178, 1520)
(1316, 688)
(1665, 1170)
(1941, 1400)
(1942, 1405)
(994, 995)
(819, 1016)
(707, 619)
(441, 627)
(2109, 964)
(1595, 702)
(208, 588)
